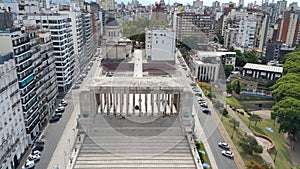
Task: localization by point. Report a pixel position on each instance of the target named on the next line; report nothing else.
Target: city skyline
(205, 2)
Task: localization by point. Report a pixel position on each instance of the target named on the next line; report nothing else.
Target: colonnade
(141, 104)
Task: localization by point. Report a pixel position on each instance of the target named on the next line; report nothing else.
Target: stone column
(101, 103)
(158, 103)
(121, 102)
(146, 100)
(107, 103)
(152, 103)
(140, 105)
(171, 103)
(127, 103)
(133, 103)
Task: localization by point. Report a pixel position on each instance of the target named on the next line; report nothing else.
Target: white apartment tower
(246, 33)
(12, 128)
(61, 35)
(160, 44)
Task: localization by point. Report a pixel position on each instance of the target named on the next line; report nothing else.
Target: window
(156, 41)
(162, 41)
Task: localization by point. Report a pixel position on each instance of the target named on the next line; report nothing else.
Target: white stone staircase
(127, 144)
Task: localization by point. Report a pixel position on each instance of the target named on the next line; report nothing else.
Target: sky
(206, 2)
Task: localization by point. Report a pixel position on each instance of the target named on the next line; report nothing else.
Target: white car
(227, 153)
(223, 145)
(64, 102)
(29, 164)
(36, 152)
(34, 158)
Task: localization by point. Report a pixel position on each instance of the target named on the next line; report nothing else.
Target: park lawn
(282, 159)
(232, 101)
(237, 136)
(204, 157)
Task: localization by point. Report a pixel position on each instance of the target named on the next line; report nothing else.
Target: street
(53, 133)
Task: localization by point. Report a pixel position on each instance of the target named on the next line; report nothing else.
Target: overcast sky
(206, 2)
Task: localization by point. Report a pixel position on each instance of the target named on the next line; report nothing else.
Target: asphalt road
(209, 126)
(213, 137)
(52, 135)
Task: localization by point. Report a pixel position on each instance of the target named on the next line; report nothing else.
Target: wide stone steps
(129, 145)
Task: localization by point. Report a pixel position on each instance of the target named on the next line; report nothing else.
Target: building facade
(258, 71)
(59, 27)
(160, 44)
(12, 127)
(26, 50)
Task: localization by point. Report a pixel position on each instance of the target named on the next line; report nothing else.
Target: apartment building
(26, 50)
(61, 35)
(192, 24)
(12, 127)
(46, 86)
(160, 44)
(288, 28)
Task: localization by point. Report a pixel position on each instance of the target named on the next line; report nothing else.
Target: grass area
(204, 157)
(232, 101)
(282, 159)
(237, 136)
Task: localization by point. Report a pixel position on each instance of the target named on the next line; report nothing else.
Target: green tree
(132, 28)
(236, 86)
(235, 124)
(228, 70)
(190, 42)
(286, 90)
(229, 88)
(287, 113)
(254, 165)
(250, 145)
(254, 117)
(291, 67)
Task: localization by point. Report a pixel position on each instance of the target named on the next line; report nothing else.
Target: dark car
(59, 115)
(38, 147)
(54, 119)
(198, 94)
(206, 111)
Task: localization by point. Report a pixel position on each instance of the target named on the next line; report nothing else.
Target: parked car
(193, 84)
(29, 165)
(38, 147)
(59, 110)
(54, 119)
(198, 94)
(36, 152)
(201, 100)
(64, 102)
(227, 153)
(203, 105)
(206, 111)
(61, 106)
(59, 115)
(223, 145)
(34, 158)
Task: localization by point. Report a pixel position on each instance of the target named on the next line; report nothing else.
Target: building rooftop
(111, 22)
(213, 54)
(263, 67)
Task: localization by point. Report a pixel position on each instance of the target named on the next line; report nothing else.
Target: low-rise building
(259, 71)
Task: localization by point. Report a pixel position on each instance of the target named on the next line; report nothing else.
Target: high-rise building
(263, 35)
(12, 128)
(26, 50)
(288, 28)
(160, 44)
(192, 24)
(106, 4)
(59, 27)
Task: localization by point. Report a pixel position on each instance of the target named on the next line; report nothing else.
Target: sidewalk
(199, 136)
(63, 151)
(265, 155)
